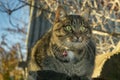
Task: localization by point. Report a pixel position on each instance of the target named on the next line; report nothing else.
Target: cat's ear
(60, 13)
(85, 14)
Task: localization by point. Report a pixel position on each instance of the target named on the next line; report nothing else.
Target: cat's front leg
(84, 78)
(74, 77)
(51, 75)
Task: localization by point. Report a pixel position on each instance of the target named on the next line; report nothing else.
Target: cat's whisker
(91, 50)
(57, 47)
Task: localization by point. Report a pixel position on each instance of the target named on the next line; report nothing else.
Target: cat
(68, 47)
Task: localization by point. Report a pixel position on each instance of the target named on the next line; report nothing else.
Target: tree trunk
(38, 25)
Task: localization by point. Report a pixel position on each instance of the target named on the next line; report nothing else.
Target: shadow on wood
(111, 68)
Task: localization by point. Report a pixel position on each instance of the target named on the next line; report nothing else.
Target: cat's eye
(82, 28)
(68, 28)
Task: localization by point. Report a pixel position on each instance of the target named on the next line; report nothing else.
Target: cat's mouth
(69, 55)
(65, 53)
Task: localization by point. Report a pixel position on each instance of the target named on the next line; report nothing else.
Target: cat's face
(71, 31)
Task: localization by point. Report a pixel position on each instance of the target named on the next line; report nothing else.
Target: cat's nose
(77, 39)
(80, 39)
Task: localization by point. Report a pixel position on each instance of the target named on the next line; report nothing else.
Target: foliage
(9, 61)
(12, 50)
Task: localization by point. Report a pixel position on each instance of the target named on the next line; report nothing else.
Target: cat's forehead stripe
(76, 21)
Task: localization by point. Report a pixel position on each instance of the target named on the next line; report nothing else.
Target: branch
(8, 10)
(38, 7)
(19, 8)
(105, 16)
(105, 33)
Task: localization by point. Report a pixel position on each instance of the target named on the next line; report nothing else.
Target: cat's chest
(75, 65)
(69, 56)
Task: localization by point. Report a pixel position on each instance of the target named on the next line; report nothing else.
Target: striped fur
(70, 35)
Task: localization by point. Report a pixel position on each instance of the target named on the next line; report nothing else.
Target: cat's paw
(74, 77)
(65, 78)
(83, 78)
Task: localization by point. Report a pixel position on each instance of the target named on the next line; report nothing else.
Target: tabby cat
(67, 48)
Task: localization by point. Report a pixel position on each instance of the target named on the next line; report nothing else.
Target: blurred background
(23, 22)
